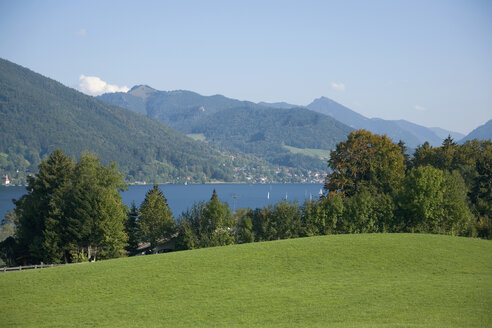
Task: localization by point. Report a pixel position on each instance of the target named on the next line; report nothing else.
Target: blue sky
(429, 62)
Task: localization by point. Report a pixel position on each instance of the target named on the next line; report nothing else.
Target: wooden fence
(32, 267)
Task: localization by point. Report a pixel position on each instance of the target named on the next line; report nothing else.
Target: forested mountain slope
(269, 133)
(282, 136)
(39, 115)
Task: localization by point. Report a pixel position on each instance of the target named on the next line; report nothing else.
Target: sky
(429, 62)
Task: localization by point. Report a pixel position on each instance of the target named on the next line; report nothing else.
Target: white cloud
(420, 108)
(82, 32)
(338, 86)
(94, 86)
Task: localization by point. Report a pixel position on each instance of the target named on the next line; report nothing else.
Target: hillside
(265, 132)
(483, 132)
(179, 109)
(39, 115)
(367, 280)
(270, 133)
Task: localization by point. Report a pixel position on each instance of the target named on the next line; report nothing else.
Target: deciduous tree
(365, 159)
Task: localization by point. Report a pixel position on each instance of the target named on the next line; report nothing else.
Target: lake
(182, 197)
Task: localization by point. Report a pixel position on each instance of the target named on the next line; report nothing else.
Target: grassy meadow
(372, 280)
(317, 153)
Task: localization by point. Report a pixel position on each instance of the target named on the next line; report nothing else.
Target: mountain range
(290, 137)
(39, 115)
(184, 109)
(172, 136)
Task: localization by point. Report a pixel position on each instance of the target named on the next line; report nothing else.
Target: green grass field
(372, 280)
(317, 153)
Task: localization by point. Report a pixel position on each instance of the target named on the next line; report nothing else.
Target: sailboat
(268, 195)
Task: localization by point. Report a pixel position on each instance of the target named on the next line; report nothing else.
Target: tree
(286, 220)
(432, 200)
(156, 220)
(261, 218)
(406, 157)
(132, 230)
(189, 227)
(7, 225)
(367, 212)
(365, 159)
(40, 213)
(313, 219)
(244, 231)
(95, 214)
(481, 193)
(217, 225)
(72, 212)
(206, 225)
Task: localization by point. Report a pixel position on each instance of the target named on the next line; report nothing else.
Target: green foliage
(432, 200)
(73, 212)
(367, 280)
(366, 212)
(40, 213)
(7, 225)
(282, 221)
(365, 159)
(217, 223)
(472, 160)
(244, 232)
(206, 225)
(156, 222)
(132, 230)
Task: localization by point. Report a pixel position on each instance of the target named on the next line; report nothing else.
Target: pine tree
(156, 220)
(217, 223)
(132, 230)
(72, 212)
(40, 212)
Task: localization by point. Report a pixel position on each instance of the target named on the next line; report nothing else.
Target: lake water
(182, 197)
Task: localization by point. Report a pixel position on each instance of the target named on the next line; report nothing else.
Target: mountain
(293, 137)
(483, 132)
(280, 136)
(422, 133)
(282, 105)
(443, 134)
(39, 115)
(179, 109)
(412, 134)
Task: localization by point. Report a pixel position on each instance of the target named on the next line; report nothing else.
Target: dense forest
(74, 212)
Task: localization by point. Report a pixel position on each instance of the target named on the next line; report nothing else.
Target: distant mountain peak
(324, 99)
(141, 91)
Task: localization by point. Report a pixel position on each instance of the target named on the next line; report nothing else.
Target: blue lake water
(182, 197)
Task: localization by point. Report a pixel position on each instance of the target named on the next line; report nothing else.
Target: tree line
(73, 211)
